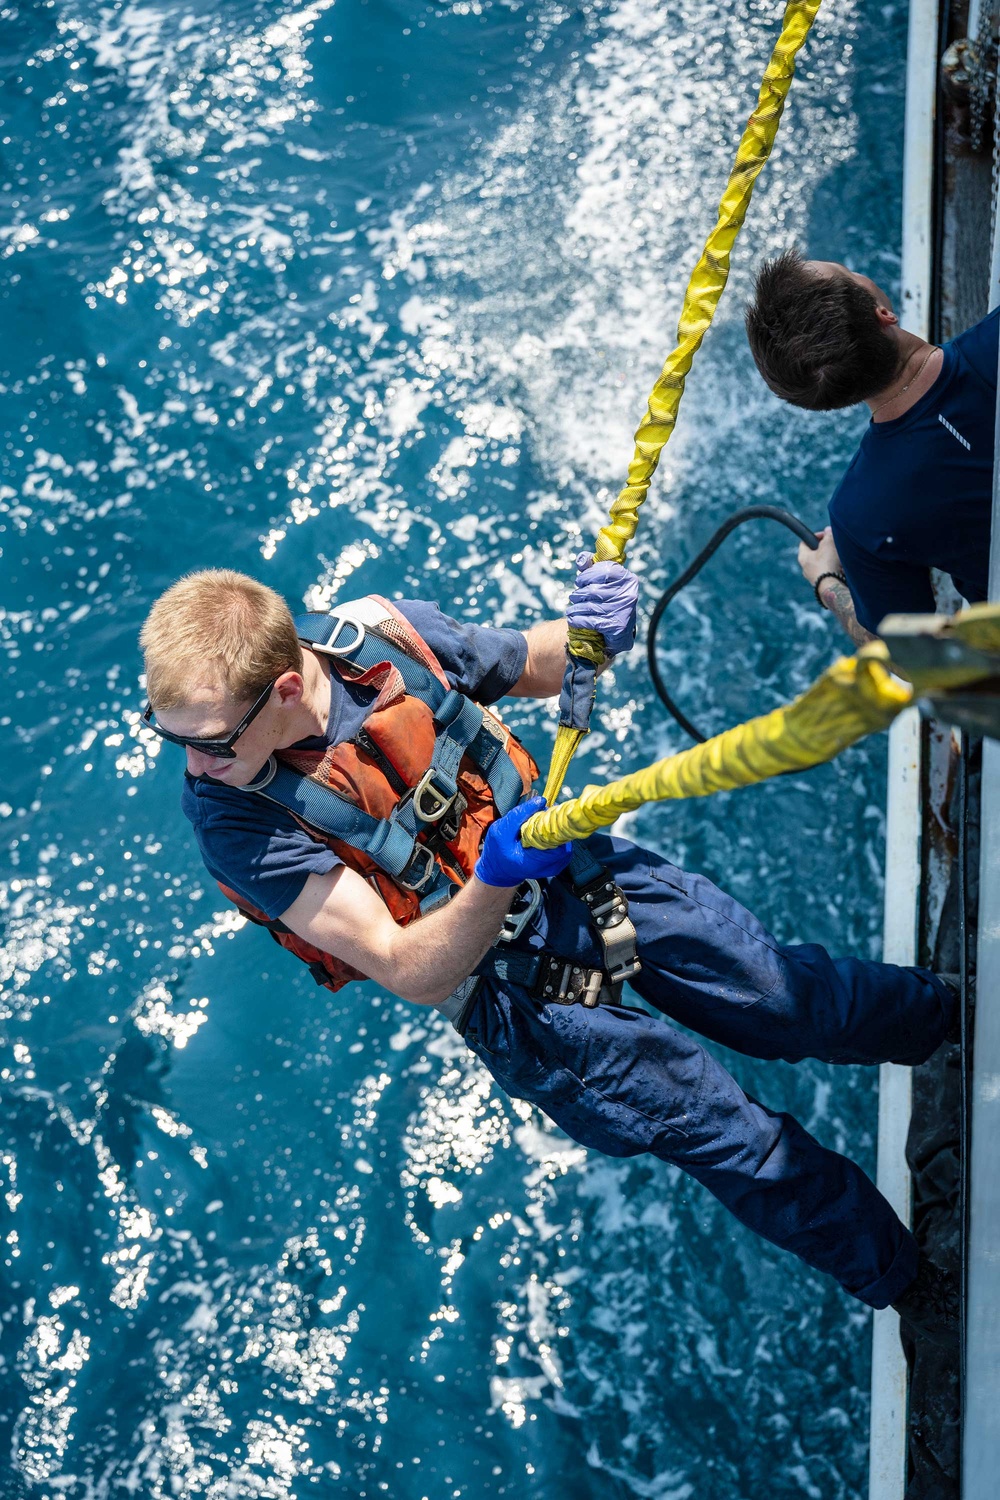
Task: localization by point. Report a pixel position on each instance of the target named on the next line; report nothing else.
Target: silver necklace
(932, 350)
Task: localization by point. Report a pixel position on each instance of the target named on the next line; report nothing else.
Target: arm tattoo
(838, 601)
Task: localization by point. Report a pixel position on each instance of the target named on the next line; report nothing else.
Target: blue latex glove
(604, 598)
(504, 860)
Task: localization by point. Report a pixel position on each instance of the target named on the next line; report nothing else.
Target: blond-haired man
(351, 789)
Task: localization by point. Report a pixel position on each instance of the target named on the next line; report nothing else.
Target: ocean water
(357, 296)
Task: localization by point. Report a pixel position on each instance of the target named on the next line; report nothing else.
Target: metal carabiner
(518, 917)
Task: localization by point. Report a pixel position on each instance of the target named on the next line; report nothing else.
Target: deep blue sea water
(368, 295)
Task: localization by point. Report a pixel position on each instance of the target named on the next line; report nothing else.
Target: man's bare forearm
(837, 598)
(546, 661)
(424, 961)
(543, 671)
(431, 957)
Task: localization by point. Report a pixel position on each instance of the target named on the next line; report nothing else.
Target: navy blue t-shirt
(258, 849)
(918, 493)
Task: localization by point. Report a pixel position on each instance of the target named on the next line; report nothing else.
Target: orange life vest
(390, 763)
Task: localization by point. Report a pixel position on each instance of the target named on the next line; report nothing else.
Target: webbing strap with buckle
(433, 804)
(552, 979)
(608, 908)
(388, 844)
(351, 635)
(573, 984)
(457, 720)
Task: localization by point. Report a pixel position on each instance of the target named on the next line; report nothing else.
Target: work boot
(929, 1306)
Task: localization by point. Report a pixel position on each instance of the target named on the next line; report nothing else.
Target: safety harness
(560, 981)
(406, 845)
(408, 800)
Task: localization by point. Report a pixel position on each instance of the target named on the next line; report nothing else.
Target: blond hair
(221, 622)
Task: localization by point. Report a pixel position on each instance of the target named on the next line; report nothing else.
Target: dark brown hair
(817, 340)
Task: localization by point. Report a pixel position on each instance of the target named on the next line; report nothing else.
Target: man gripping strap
(392, 854)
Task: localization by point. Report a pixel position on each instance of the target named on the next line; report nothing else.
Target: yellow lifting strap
(704, 289)
(854, 697)
(708, 281)
(950, 661)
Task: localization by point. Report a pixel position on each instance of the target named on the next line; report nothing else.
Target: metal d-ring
(333, 646)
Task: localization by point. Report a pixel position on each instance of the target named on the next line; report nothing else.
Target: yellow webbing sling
(704, 289)
(854, 697)
(950, 662)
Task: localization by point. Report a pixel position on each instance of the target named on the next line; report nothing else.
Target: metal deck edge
(887, 1441)
(981, 1428)
(981, 1425)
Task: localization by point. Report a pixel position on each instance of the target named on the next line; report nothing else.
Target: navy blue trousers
(624, 1082)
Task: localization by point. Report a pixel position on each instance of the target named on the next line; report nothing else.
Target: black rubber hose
(749, 513)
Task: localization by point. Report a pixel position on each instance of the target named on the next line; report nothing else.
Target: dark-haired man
(917, 494)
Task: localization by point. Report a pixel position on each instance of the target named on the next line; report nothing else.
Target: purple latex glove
(604, 598)
(505, 861)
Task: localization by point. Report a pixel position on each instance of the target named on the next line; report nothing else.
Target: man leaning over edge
(918, 493)
(344, 782)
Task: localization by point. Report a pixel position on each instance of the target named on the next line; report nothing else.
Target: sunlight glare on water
(368, 296)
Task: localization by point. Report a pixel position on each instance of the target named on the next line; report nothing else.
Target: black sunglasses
(222, 748)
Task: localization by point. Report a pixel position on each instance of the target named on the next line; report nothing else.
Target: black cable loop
(748, 513)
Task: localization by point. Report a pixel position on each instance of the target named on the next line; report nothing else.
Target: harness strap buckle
(434, 795)
(420, 869)
(608, 908)
(439, 835)
(610, 913)
(495, 729)
(591, 993)
(566, 983)
(621, 959)
(605, 900)
(450, 825)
